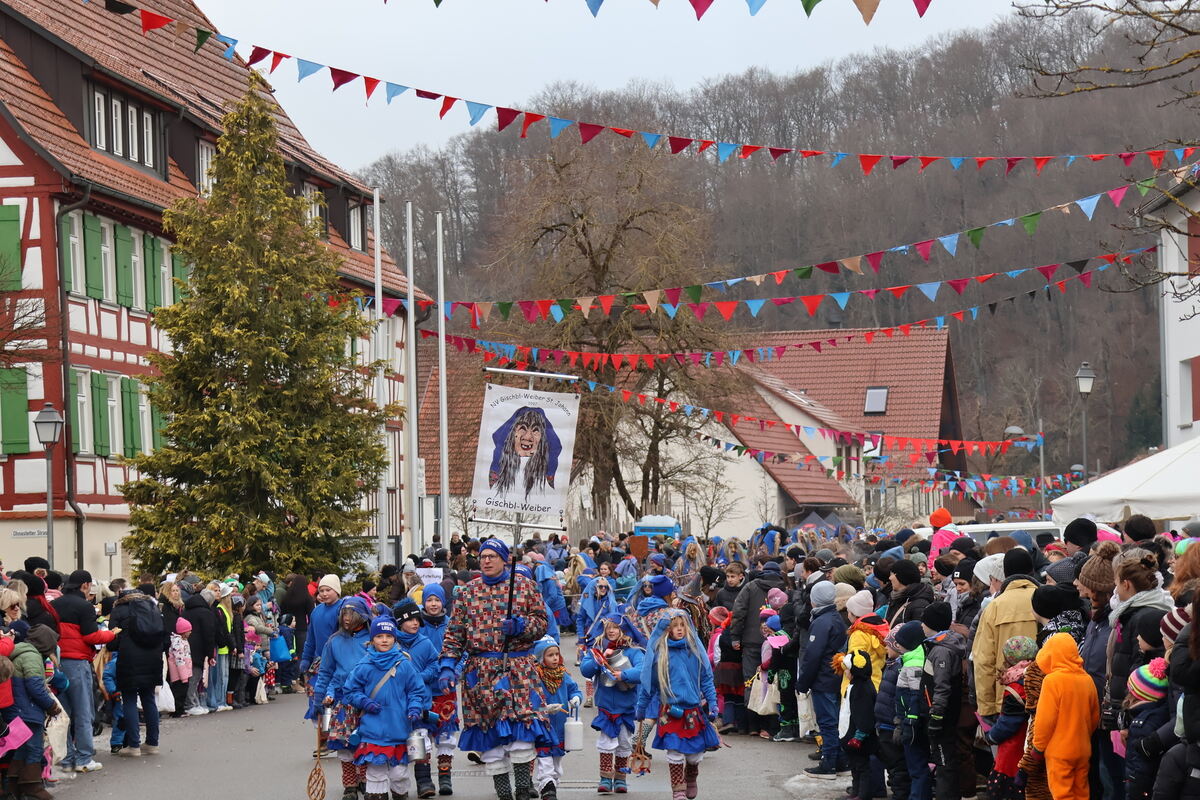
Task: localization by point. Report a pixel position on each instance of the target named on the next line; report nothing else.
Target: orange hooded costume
(1068, 712)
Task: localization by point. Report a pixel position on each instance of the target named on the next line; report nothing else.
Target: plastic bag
(56, 732)
(764, 696)
(165, 699)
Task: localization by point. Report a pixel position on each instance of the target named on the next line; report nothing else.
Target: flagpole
(410, 383)
(443, 417)
(382, 528)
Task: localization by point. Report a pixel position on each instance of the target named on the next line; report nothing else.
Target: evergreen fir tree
(269, 438)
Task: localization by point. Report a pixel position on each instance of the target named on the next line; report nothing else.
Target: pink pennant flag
(899, 161)
(701, 6)
(1117, 195)
(1048, 271)
(875, 260)
(1086, 279)
(959, 284)
(924, 248)
(1012, 161)
(698, 309)
(341, 77)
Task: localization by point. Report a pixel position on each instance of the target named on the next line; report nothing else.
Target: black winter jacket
(726, 595)
(909, 604)
(1179, 774)
(746, 626)
(942, 681)
(1125, 655)
(139, 666)
(885, 699)
(826, 638)
(204, 624)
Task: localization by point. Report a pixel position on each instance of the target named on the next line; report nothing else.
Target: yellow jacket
(867, 634)
(1009, 615)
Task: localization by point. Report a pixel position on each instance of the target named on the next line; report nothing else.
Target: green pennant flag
(976, 236)
(1030, 221)
(567, 304)
(694, 292)
(803, 273)
(837, 461)
(1145, 186)
(504, 307)
(202, 36)
(809, 5)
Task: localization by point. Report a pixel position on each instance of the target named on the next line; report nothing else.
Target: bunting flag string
(523, 355)
(670, 301)
(724, 151)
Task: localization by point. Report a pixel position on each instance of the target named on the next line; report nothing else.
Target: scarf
(1069, 621)
(1014, 673)
(1150, 598)
(501, 578)
(552, 677)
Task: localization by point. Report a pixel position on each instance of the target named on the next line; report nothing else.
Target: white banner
(526, 441)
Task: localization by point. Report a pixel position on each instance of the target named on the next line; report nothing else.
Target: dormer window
(314, 211)
(100, 121)
(123, 128)
(204, 163)
(356, 227)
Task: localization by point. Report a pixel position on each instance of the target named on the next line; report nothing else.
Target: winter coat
(1144, 720)
(867, 635)
(424, 657)
(826, 638)
(203, 639)
(1009, 732)
(140, 665)
(909, 604)
(434, 629)
(1067, 709)
(885, 698)
(969, 607)
(1179, 774)
(1126, 655)
(727, 595)
(258, 624)
(222, 629)
(552, 596)
(322, 623)
(78, 633)
(592, 607)
(1009, 614)
(911, 709)
(403, 694)
(1094, 650)
(30, 696)
(690, 676)
(942, 679)
(341, 655)
(619, 699)
(861, 700)
(170, 615)
(746, 627)
(567, 690)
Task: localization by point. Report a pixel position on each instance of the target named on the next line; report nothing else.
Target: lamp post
(1085, 376)
(1016, 432)
(49, 425)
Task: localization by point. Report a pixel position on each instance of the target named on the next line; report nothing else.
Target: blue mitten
(513, 626)
(446, 678)
(372, 707)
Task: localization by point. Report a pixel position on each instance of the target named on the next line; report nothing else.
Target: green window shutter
(150, 265)
(134, 426)
(64, 250)
(10, 248)
(156, 425)
(92, 263)
(14, 410)
(100, 414)
(124, 255)
(73, 410)
(128, 415)
(179, 271)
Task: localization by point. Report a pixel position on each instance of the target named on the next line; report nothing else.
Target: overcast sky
(504, 51)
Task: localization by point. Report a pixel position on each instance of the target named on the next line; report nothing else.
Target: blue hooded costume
(682, 708)
(384, 734)
(567, 689)
(615, 704)
(556, 605)
(434, 628)
(592, 607)
(339, 657)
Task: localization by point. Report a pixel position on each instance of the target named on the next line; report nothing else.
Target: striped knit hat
(1172, 624)
(1149, 682)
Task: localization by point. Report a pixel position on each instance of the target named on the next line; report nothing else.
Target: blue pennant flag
(556, 312)
(476, 110)
(841, 298)
(1008, 223)
(594, 6)
(1016, 273)
(837, 159)
(394, 90)
(1178, 153)
(755, 6)
(651, 139)
(557, 126)
(755, 306)
(1088, 205)
(810, 431)
(591, 386)
(306, 68)
(975, 312)
(725, 150)
(718, 285)
(447, 307)
(734, 281)
(231, 44)
(671, 310)
(956, 161)
(950, 242)
(734, 356)
(1071, 160)
(941, 322)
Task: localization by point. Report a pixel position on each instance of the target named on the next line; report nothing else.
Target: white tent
(1161, 486)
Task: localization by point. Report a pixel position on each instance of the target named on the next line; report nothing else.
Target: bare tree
(766, 501)
(711, 499)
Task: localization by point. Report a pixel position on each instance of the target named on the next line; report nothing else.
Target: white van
(982, 531)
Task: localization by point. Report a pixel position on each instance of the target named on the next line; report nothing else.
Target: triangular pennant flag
(1156, 157)
(393, 90)
(588, 131)
(959, 284)
(981, 160)
(924, 248)
(1030, 222)
(875, 260)
(867, 8)
(341, 77)
(370, 85)
(1041, 161)
(841, 298)
(257, 54)
(776, 152)
(585, 305)
(809, 5)
(606, 302)
(447, 104)
(812, 302)
(152, 21)
(701, 6)
(698, 309)
(724, 151)
(1145, 186)
(530, 118)
(230, 46)
(306, 68)
(505, 308)
(694, 292)
(950, 242)
(854, 264)
(277, 59)
(755, 306)
(594, 6)
(651, 139)
(202, 36)
(476, 111)
(749, 150)
(898, 161)
(926, 160)
(726, 308)
(505, 117)
(1012, 161)
(975, 236)
(558, 125)
(1078, 265)
(1117, 195)
(1086, 279)
(1088, 205)
(755, 6)
(678, 144)
(930, 289)
(898, 291)
(868, 162)
(1048, 271)
(626, 132)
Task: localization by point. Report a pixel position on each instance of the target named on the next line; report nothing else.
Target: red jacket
(78, 633)
(7, 643)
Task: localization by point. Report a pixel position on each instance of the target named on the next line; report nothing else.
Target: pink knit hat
(777, 598)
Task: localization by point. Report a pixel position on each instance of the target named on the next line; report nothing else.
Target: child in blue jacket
(443, 716)
(562, 697)
(1146, 711)
(615, 662)
(424, 656)
(339, 657)
(677, 692)
(393, 698)
(116, 740)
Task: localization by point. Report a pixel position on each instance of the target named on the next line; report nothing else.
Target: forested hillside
(964, 94)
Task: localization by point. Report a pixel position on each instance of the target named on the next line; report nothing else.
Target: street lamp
(1085, 376)
(1016, 432)
(49, 425)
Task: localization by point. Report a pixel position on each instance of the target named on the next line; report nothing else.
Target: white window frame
(207, 152)
(100, 119)
(133, 128)
(75, 245)
(355, 225)
(873, 391)
(108, 261)
(83, 409)
(166, 281)
(145, 419)
(312, 193)
(118, 127)
(148, 139)
(139, 274)
(116, 431)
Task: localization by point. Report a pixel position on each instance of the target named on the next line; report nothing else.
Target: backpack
(145, 623)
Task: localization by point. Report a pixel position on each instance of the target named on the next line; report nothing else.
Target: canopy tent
(815, 523)
(1161, 486)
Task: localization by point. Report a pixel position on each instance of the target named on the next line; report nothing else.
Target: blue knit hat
(661, 586)
(496, 546)
(541, 646)
(433, 590)
(383, 624)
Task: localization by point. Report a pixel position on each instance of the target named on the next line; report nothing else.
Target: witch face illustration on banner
(526, 440)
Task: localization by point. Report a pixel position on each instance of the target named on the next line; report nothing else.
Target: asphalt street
(265, 752)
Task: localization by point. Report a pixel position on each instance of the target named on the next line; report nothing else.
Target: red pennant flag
(256, 55)
(1048, 271)
(606, 302)
(425, 94)
(544, 307)
(898, 161)
(779, 276)
(505, 116)
(981, 160)
(1086, 279)
(726, 308)
(748, 149)
(678, 144)
(875, 260)
(1098, 156)
(776, 152)
(812, 302)
(868, 162)
(924, 248)
(277, 59)
(958, 284)
(898, 292)
(927, 160)
(530, 118)
(152, 21)
(1156, 157)
(341, 77)
(1127, 157)
(588, 131)
(673, 295)
(371, 85)
(869, 336)
(1012, 161)
(1041, 161)
(1062, 286)
(701, 6)
(623, 132)
(829, 266)
(447, 104)
(958, 315)
(705, 144)
(985, 277)
(529, 309)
